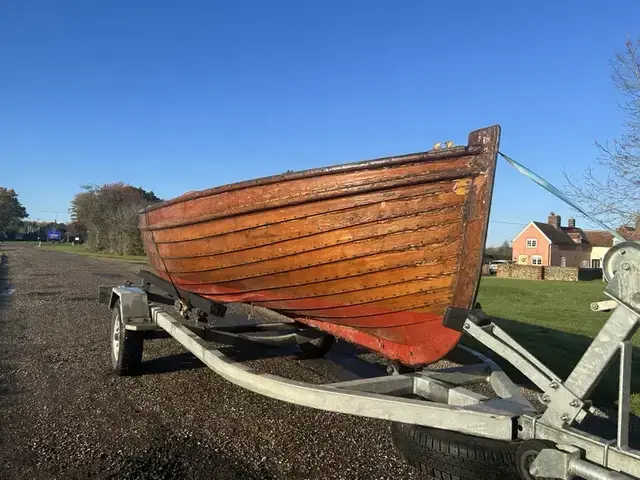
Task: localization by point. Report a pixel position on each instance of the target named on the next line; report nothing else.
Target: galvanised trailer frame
(432, 398)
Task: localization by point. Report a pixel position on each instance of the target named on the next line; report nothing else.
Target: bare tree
(611, 189)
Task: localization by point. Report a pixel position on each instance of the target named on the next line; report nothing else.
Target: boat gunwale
(408, 181)
(378, 163)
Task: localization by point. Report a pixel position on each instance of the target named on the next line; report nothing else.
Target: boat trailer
(547, 445)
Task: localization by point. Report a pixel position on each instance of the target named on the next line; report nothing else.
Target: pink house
(550, 244)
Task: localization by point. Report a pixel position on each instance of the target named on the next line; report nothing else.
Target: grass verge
(83, 250)
(553, 321)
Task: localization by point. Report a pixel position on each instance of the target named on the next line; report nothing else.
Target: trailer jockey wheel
(318, 347)
(526, 453)
(126, 345)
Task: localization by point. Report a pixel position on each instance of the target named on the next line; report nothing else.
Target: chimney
(554, 220)
(571, 223)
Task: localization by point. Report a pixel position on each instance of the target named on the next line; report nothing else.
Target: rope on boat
(555, 191)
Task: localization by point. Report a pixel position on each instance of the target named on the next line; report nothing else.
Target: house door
(595, 263)
(563, 261)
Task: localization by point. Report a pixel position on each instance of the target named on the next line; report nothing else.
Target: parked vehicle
(493, 268)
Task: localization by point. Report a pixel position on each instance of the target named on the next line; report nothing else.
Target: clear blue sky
(177, 96)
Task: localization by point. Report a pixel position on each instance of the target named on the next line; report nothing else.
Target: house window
(595, 263)
(532, 242)
(536, 260)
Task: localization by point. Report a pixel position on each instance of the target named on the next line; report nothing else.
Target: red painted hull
(372, 252)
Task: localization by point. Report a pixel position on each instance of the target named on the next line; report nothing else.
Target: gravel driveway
(64, 415)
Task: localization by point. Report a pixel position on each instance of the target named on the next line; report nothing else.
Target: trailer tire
(318, 347)
(446, 455)
(126, 345)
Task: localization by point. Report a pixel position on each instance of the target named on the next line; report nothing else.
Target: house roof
(574, 236)
(629, 233)
(577, 234)
(558, 237)
(577, 237)
(599, 238)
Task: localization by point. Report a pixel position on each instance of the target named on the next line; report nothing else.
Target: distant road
(63, 415)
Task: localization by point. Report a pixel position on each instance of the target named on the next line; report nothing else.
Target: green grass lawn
(83, 250)
(554, 322)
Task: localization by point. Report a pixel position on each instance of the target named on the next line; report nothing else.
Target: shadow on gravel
(107, 275)
(177, 457)
(42, 294)
(171, 363)
(257, 352)
(6, 388)
(6, 289)
(80, 298)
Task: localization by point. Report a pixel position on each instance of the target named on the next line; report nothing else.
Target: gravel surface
(64, 415)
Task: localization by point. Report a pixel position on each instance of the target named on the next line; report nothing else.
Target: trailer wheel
(318, 347)
(443, 454)
(126, 345)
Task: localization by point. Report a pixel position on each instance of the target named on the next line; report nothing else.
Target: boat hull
(372, 252)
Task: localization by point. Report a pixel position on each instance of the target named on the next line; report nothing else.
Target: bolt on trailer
(429, 404)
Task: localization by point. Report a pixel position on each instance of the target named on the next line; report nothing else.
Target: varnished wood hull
(372, 252)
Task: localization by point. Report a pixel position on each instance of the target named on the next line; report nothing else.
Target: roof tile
(558, 237)
(599, 238)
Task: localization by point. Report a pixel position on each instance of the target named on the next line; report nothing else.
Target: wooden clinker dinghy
(372, 252)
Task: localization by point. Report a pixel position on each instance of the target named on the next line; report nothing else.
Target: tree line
(107, 216)
(103, 216)
(502, 252)
(11, 211)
